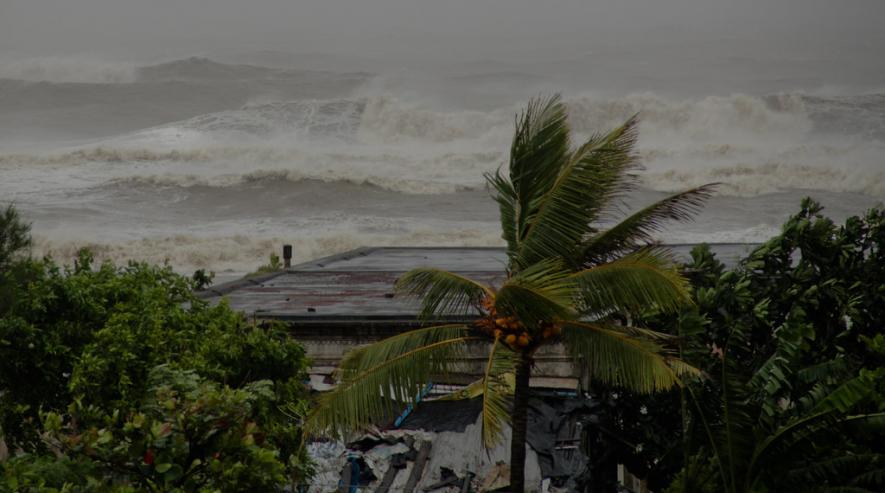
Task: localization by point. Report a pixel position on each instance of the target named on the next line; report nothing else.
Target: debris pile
(438, 448)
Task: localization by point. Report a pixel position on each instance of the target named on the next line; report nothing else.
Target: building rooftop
(357, 285)
(334, 304)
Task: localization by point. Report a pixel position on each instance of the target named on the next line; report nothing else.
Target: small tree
(566, 281)
(15, 236)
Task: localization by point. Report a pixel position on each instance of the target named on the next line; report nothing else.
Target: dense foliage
(791, 343)
(134, 381)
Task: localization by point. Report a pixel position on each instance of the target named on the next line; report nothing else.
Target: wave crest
(753, 145)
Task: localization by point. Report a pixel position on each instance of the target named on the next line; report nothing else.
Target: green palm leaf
(441, 292)
(617, 358)
(843, 466)
(782, 444)
(508, 206)
(540, 147)
(498, 383)
(645, 279)
(846, 396)
(380, 379)
(873, 477)
(558, 220)
(544, 291)
(639, 228)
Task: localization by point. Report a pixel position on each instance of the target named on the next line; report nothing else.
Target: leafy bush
(787, 341)
(190, 434)
(96, 346)
(51, 474)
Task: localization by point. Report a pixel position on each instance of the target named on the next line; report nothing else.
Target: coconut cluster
(511, 330)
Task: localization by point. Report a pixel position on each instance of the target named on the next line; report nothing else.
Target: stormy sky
(432, 29)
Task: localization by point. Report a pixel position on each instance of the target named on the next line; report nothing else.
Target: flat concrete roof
(355, 287)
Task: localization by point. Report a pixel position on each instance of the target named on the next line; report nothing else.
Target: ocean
(215, 164)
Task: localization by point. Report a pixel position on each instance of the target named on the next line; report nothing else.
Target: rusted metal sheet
(357, 286)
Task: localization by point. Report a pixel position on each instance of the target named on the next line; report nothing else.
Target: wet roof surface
(357, 285)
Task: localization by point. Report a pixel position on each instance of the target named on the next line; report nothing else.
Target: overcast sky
(447, 29)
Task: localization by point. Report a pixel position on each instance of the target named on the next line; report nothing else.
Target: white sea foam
(239, 254)
(752, 145)
(753, 234)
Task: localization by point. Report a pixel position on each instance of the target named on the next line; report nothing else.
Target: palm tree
(566, 281)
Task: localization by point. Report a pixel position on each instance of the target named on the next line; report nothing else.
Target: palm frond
(837, 368)
(380, 379)
(557, 221)
(508, 206)
(616, 358)
(544, 291)
(639, 228)
(614, 150)
(773, 380)
(846, 396)
(825, 410)
(642, 280)
(441, 292)
(850, 469)
(496, 392)
(476, 388)
(785, 440)
(873, 477)
(539, 149)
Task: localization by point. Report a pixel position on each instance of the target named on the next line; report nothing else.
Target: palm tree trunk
(519, 418)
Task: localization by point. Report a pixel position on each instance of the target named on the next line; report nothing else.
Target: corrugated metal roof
(356, 286)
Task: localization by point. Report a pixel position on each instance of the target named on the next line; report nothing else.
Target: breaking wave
(748, 181)
(419, 173)
(753, 145)
(213, 165)
(401, 185)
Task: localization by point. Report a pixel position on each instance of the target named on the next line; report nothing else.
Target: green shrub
(15, 237)
(788, 342)
(274, 264)
(190, 434)
(84, 343)
(792, 347)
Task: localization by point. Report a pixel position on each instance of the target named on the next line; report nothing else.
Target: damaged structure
(337, 303)
(438, 447)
